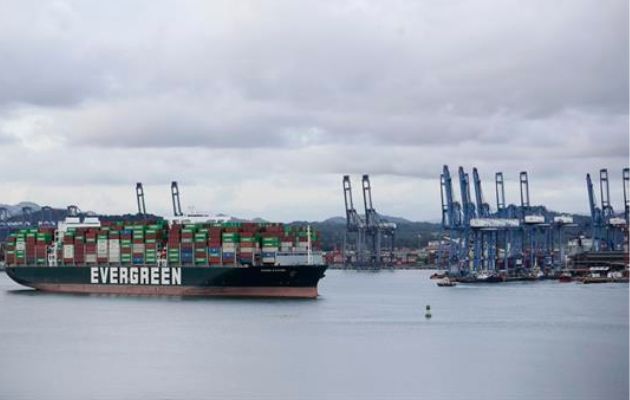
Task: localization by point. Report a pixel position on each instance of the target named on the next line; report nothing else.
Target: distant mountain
(342, 220)
(335, 220)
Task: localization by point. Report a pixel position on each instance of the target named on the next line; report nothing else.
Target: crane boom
(351, 214)
(142, 210)
(177, 206)
(367, 201)
(500, 191)
(591, 198)
(467, 204)
(483, 208)
(524, 190)
(604, 189)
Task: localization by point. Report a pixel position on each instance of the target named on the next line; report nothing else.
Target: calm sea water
(365, 338)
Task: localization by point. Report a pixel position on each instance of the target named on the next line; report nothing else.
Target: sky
(258, 108)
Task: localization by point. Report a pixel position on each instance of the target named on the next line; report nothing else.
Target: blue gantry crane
(367, 235)
(378, 229)
(596, 215)
(449, 253)
(512, 240)
(354, 239)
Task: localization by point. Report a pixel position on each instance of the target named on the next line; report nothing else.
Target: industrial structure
(523, 239)
(608, 241)
(370, 239)
(514, 240)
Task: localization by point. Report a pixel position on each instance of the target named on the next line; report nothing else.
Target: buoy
(427, 313)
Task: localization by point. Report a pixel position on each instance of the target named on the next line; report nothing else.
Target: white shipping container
(137, 248)
(229, 247)
(113, 258)
(90, 258)
(20, 246)
(299, 258)
(267, 249)
(534, 219)
(269, 260)
(68, 251)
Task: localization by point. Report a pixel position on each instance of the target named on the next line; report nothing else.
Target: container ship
(167, 258)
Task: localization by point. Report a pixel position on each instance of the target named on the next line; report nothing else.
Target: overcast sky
(259, 107)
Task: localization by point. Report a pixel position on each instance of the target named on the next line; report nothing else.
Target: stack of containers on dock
(186, 246)
(214, 244)
(230, 245)
(174, 238)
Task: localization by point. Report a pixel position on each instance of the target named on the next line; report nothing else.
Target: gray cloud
(219, 92)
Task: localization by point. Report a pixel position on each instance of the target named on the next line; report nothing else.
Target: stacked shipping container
(204, 244)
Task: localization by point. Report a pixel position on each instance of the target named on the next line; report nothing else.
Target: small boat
(565, 277)
(445, 282)
(487, 277)
(438, 275)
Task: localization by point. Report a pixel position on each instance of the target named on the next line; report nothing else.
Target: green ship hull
(296, 281)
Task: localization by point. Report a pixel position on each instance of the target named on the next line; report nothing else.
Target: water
(365, 338)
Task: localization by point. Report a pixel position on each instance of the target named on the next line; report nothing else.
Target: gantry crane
(354, 239)
(451, 223)
(377, 228)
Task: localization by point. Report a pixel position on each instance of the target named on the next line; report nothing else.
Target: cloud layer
(260, 107)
